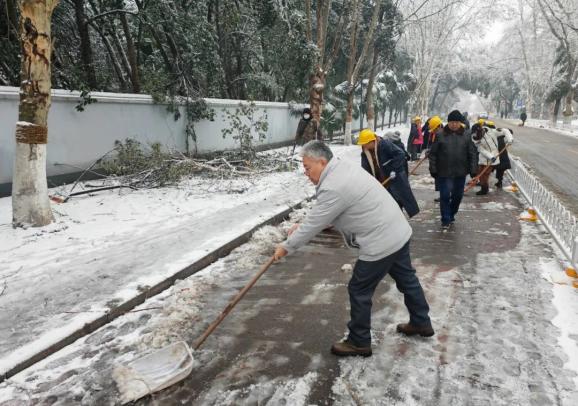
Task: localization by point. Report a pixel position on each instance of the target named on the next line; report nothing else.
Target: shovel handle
(232, 304)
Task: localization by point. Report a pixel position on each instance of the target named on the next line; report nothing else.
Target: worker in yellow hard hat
(386, 162)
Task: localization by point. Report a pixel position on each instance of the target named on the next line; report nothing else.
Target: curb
(125, 307)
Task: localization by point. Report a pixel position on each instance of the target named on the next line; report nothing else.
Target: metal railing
(561, 224)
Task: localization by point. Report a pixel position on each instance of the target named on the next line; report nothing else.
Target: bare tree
(325, 57)
(30, 202)
(561, 17)
(355, 62)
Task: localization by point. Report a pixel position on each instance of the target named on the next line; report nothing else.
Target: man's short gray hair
(316, 150)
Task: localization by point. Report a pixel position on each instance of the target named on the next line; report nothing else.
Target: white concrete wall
(79, 138)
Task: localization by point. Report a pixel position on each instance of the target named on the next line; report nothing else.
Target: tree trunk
(85, 46)
(568, 109)
(390, 114)
(555, 111)
(132, 60)
(113, 59)
(316, 88)
(350, 73)
(348, 119)
(369, 96)
(30, 203)
(12, 19)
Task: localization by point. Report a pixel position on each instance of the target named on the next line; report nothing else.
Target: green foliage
(85, 100)
(244, 123)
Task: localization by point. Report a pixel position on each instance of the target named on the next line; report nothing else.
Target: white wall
(79, 138)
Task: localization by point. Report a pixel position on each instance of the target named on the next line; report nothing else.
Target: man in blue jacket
(361, 209)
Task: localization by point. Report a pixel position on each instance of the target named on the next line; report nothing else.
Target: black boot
(499, 184)
(484, 191)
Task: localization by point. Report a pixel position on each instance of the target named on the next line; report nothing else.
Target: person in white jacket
(486, 140)
(358, 206)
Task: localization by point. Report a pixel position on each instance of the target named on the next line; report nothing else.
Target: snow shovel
(172, 363)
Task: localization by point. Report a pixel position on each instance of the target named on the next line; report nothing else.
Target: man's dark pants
(451, 193)
(366, 277)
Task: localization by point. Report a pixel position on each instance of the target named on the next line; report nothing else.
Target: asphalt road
(553, 158)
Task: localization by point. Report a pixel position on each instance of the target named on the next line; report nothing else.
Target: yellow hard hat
(481, 121)
(434, 123)
(490, 123)
(366, 136)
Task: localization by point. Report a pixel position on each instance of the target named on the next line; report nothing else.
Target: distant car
(483, 115)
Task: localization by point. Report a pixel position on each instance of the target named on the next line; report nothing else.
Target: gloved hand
(473, 175)
(493, 159)
(392, 175)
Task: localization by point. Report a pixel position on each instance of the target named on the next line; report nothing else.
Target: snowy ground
(571, 131)
(506, 334)
(104, 249)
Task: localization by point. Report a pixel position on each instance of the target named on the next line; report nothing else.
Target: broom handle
(232, 304)
(418, 164)
(473, 181)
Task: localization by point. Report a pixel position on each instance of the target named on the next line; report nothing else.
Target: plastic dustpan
(170, 364)
(155, 371)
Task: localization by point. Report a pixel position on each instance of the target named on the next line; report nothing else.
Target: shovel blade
(154, 372)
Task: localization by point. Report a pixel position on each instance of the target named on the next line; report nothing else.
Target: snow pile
(566, 303)
(426, 181)
(180, 314)
(129, 383)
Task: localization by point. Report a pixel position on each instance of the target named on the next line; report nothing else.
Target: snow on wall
(79, 138)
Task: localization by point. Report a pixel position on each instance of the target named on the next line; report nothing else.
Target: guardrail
(561, 224)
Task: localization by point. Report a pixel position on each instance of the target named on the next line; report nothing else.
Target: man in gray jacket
(369, 218)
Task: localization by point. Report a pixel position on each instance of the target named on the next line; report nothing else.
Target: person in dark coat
(426, 134)
(451, 158)
(434, 127)
(415, 139)
(523, 117)
(395, 138)
(504, 157)
(381, 158)
(308, 128)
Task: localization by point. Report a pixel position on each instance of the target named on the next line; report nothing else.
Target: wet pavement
(494, 342)
(303, 308)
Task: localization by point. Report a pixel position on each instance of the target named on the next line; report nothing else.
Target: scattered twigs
(88, 169)
(133, 166)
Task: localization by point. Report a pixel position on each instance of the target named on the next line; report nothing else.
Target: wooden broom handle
(473, 181)
(232, 304)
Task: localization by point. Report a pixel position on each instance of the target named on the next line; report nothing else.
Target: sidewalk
(108, 250)
(504, 333)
